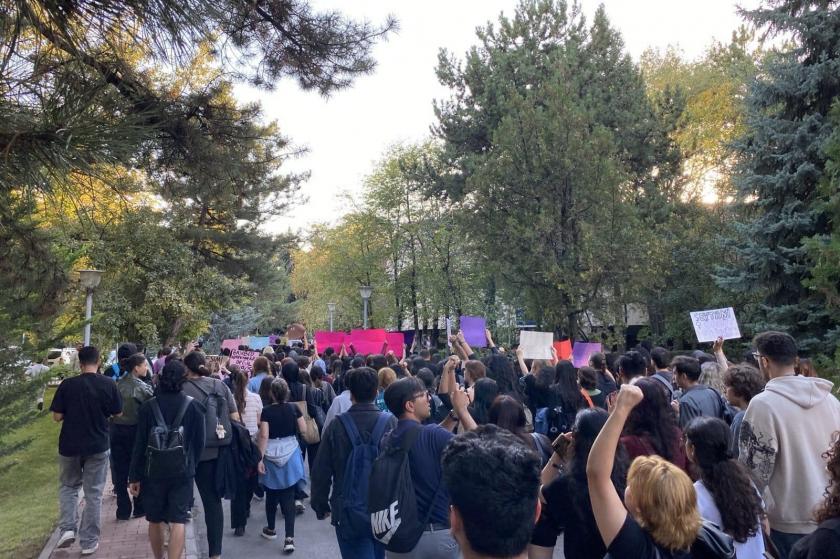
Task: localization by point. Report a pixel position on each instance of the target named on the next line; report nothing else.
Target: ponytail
(197, 364)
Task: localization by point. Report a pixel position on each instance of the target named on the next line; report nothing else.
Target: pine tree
(782, 163)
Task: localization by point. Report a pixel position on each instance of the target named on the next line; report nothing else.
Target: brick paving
(124, 539)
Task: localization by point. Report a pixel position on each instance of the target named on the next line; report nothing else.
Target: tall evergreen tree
(782, 163)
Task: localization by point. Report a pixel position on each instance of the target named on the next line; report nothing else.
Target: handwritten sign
(243, 359)
(473, 328)
(536, 345)
(583, 351)
(710, 325)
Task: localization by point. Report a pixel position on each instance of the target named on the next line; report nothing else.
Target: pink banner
(325, 339)
(396, 343)
(367, 342)
(234, 343)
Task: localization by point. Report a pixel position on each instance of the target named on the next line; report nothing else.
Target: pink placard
(326, 339)
(233, 343)
(367, 342)
(396, 343)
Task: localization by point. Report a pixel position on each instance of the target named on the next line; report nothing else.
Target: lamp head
(331, 307)
(366, 291)
(90, 278)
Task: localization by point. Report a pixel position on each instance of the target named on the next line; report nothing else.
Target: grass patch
(29, 488)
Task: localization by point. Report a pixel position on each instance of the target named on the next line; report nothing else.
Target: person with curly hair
(725, 493)
(825, 540)
(743, 382)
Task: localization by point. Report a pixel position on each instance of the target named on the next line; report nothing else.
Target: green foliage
(782, 165)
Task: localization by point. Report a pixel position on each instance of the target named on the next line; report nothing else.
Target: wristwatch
(453, 416)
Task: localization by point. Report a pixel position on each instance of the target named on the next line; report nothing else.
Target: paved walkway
(123, 539)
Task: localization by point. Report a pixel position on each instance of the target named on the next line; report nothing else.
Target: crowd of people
(462, 453)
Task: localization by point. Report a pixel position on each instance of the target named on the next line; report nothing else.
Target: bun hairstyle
(197, 364)
(129, 363)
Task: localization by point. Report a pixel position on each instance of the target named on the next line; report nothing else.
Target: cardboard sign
(234, 343)
(325, 339)
(582, 351)
(258, 342)
(563, 349)
(536, 345)
(367, 342)
(295, 331)
(710, 325)
(243, 359)
(474, 328)
(396, 343)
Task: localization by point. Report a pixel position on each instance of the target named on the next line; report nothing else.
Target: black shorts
(167, 500)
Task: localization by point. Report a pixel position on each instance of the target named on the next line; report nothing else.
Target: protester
(493, 488)
(485, 392)
(606, 380)
(743, 382)
(167, 499)
(473, 370)
(663, 520)
(588, 381)
(250, 406)
(500, 369)
(260, 369)
(725, 493)
(565, 495)
(506, 412)
(785, 431)
(305, 398)
(661, 359)
(805, 367)
(408, 400)
(652, 428)
(697, 399)
(539, 390)
(218, 401)
(116, 370)
(282, 465)
(83, 405)
(339, 445)
(825, 540)
(631, 365)
(711, 375)
(319, 382)
(123, 431)
(34, 371)
(158, 364)
(386, 377)
(265, 390)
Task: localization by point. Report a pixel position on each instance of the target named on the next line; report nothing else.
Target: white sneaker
(289, 546)
(66, 539)
(91, 550)
(300, 508)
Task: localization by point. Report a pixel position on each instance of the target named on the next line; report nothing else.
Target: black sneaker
(239, 531)
(268, 533)
(289, 545)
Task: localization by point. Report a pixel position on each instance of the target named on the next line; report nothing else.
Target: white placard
(536, 345)
(710, 325)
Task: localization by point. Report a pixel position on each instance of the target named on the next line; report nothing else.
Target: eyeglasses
(422, 395)
(757, 355)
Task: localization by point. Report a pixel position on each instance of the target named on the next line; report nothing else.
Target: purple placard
(582, 351)
(473, 328)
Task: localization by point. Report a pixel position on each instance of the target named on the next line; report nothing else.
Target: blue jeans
(358, 548)
(784, 542)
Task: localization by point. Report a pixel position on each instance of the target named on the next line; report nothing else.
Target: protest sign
(582, 351)
(710, 325)
(272, 339)
(295, 331)
(536, 345)
(325, 339)
(448, 331)
(233, 343)
(257, 342)
(243, 359)
(367, 342)
(396, 343)
(563, 349)
(473, 328)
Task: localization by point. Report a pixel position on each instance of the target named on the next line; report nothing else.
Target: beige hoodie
(786, 430)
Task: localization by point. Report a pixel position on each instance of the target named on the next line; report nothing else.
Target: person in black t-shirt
(83, 405)
(664, 520)
(168, 500)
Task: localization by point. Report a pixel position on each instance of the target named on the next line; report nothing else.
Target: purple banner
(582, 351)
(473, 328)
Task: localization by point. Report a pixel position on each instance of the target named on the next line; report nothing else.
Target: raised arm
(720, 357)
(607, 507)
(520, 358)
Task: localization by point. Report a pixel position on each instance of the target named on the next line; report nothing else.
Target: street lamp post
(331, 309)
(365, 291)
(90, 280)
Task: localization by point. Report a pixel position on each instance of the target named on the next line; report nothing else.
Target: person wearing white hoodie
(785, 431)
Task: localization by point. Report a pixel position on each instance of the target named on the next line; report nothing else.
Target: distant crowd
(461, 453)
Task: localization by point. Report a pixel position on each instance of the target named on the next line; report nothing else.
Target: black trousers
(122, 444)
(205, 480)
(240, 505)
(286, 499)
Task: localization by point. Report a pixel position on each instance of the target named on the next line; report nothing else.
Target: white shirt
(753, 548)
(340, 404)
(251, 414)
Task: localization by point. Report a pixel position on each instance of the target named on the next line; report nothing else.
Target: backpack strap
(586, 397)
(350, 427)
(664, 381)
(179, 417)
(379, 429)
(200, 389)
(158, 414)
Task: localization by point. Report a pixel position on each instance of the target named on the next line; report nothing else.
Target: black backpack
(217, 429)
(166, 451)
(392, 503)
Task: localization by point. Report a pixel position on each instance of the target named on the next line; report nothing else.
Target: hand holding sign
(714, 324)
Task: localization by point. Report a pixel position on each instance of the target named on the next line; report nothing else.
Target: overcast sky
(348, 133)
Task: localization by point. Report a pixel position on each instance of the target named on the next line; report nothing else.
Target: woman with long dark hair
(565, 494)
(250, 407)
(508, 413)
(725, 493)
(500, 369)
(651, 428)
(825, 540)
(486, 390)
